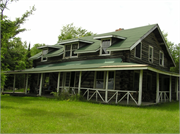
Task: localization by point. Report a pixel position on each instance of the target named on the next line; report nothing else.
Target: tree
(69, 31)
(12, 48)
(28, 55)
(174, 50)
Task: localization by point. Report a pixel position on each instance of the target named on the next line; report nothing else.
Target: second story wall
(152, 41)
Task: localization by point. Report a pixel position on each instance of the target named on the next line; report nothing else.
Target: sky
(97, 16)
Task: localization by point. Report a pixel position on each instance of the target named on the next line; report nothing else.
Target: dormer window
(69, 50)
(105, 43)
(44, 52)
(137, 51)
(161, 58)
(150, 56)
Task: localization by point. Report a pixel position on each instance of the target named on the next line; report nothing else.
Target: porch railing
(96, 93)
(163, 96)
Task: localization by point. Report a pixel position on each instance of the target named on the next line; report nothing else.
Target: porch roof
(90, 65)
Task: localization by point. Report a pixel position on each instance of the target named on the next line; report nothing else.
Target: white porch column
(157, 87)
(140, 87)
(177, 89)
(58, 81)
(170, 88)
(106, 93)
(40, 87)
(26, 84)
(79, 85)
(14, 84)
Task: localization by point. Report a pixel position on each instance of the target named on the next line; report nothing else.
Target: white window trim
(70, 52)
(44, 60)
(162, 58)
(149, 53)
(140, 52)
(100, 52)
(44, 57)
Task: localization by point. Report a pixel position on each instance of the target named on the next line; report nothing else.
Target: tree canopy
(13, 50)
(69, 31)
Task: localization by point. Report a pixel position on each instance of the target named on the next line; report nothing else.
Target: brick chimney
(119, 29)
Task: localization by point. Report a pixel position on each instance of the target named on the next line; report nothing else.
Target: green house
(128, 66)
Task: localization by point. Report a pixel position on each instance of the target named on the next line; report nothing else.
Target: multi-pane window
(150, 56)
(69, 50)
(138, 51)
(161, 58)
(105, 44)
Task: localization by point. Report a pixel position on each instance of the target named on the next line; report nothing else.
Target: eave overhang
(109, 36)
(75, 40)
(49, 46)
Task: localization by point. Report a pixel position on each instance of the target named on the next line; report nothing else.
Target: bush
(67, 96)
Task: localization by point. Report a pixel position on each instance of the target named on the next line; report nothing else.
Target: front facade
(127, 66)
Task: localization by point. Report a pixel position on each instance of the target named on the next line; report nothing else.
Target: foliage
(174, 49)
(34, 49)
(67, 96)
(13, 50)
(51, 116)
(69, 31)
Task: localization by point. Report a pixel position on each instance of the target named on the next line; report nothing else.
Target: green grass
(42, 115)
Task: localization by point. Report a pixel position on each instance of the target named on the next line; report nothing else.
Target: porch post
(40, 87)
(26, 84)
(59, 74)
(170, 88)
(177, 89)
(106, 93)
(140, 87)
(14, 84)
(79, 86)
(157, 87)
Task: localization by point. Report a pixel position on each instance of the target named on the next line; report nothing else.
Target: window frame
(140, 51)
(149, 54)
(100, 53)
(162, 58)
(42, 60)
(64, 56)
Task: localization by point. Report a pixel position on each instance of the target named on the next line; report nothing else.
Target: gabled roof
(50, 46)
(130, 38)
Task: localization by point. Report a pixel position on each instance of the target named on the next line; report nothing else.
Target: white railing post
(26, 84)
(157, 88)
(140, 87)
(177, 88)
(14, 84)
(116, 96)
(128, 98)
(106, 92)
(58, 81)
(40, 86)
(79, 86)
(170, 88)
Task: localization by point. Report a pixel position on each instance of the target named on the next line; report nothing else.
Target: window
(44, 52)
(105, 43)
(161, 58)
(137, 51)
(150, 57)
(69, 50)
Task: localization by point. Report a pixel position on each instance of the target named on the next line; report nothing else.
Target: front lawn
(43, 115)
